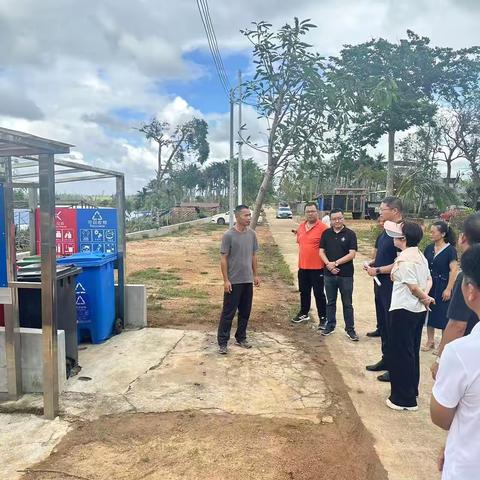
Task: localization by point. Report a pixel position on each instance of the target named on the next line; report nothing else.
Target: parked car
(224, 218)
(284, 212)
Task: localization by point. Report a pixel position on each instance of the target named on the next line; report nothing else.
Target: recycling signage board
(66, 242)
(97, 230)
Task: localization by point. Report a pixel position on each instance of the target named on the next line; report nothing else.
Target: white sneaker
(300, 319)
(391, 405)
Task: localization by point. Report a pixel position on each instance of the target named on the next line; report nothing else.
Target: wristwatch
(377, 271)
(336, 264)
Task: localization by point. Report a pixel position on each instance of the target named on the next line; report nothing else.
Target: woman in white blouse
(410, 301)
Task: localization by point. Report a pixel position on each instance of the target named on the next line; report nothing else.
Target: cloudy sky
(88, 72)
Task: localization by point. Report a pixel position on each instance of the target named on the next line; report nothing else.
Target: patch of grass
(154, 274)
(272, 263)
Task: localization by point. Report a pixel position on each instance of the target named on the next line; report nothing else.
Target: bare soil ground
(185, 291)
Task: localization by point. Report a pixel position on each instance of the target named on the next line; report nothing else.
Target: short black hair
(470, 263)
(393, 202)
(336, 210)
(239, 208)
(310, 204)
(447, 231)
(471, 229)
(413, 233)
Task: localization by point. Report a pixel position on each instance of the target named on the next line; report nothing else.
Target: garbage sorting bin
(30, 305)
(27, 261)
(95, 292)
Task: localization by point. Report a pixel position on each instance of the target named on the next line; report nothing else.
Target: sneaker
(352, 335)
(373, 334)
(300, 318)
(222, 349)
(328, 331)
(322, 324)
(399, 408)
(244, 344)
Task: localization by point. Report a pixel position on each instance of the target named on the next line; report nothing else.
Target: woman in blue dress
(442, 260)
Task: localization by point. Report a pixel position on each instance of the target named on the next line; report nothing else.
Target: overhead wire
(213, 45)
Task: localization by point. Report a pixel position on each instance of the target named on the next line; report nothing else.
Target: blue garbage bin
(95, 295)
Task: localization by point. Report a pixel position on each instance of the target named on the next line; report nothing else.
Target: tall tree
(391, 86)
(288, 92)
(188, 138)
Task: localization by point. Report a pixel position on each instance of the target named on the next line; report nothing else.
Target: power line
(213, 44)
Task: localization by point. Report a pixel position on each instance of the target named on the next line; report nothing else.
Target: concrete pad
(273, 379)
(115, 364)
(406, 442)
(26, 440)
(32, 360)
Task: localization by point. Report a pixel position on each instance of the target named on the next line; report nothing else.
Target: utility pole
(230, 187)
(240, 143)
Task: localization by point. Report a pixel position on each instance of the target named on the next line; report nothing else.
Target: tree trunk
(262, 192)
(159, 162)
(449, 172)
(390, 165)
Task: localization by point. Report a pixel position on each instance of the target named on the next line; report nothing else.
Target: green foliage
(289, 93)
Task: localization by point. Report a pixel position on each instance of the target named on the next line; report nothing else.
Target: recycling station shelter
(91, 240)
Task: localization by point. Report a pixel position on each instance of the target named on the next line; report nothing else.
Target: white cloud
(69, 67)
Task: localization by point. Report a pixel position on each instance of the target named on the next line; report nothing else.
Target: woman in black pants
(410, 301)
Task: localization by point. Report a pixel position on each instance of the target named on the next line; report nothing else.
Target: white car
(224, 218)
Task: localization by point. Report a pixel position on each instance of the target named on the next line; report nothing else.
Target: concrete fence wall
(159, 232)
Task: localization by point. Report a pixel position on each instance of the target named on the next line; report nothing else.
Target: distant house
(190, 210)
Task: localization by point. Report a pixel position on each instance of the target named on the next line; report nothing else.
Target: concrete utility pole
(231, 206)
(240, 143)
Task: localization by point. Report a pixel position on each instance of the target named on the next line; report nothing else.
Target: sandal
(428, 347)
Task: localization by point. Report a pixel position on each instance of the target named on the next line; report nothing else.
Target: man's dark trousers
(384, 297)
(334, 283)
(308, 279)
(239, 299)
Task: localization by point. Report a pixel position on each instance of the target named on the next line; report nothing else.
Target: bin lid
(34, 272)
(87, 259)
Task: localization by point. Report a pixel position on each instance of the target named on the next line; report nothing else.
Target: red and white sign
(66, 231)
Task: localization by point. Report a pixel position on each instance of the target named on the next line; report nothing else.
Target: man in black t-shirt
(391, 209)
(338, 247)
(461, 319)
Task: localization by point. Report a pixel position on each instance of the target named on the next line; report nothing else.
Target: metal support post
(240, 142)
(121, 247)
(32, 206)
(230, 183)
(46, 175)
(12, 323)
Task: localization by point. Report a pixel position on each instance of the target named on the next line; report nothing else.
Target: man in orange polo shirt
(310, 265)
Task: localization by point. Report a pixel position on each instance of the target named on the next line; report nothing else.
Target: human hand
(427, 301)
(330, 266)
(256, 281)
(371, 271)
(335, 271)
(227, 286)
(447, 295)
(294, 231)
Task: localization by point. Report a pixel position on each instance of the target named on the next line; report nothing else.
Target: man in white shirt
(455, 403)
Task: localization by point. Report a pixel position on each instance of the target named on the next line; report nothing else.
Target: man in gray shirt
(239, 270)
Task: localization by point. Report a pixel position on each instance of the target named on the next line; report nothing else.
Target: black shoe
(244, 344)
(328, 331)
(374, 334)
(300, 318)
(376, 367)
(222, 349)
(352, 335)
(322, 324)
(384, 377)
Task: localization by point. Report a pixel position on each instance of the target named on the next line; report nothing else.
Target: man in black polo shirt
(461, 319)
(391, 209)
(338, 248)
